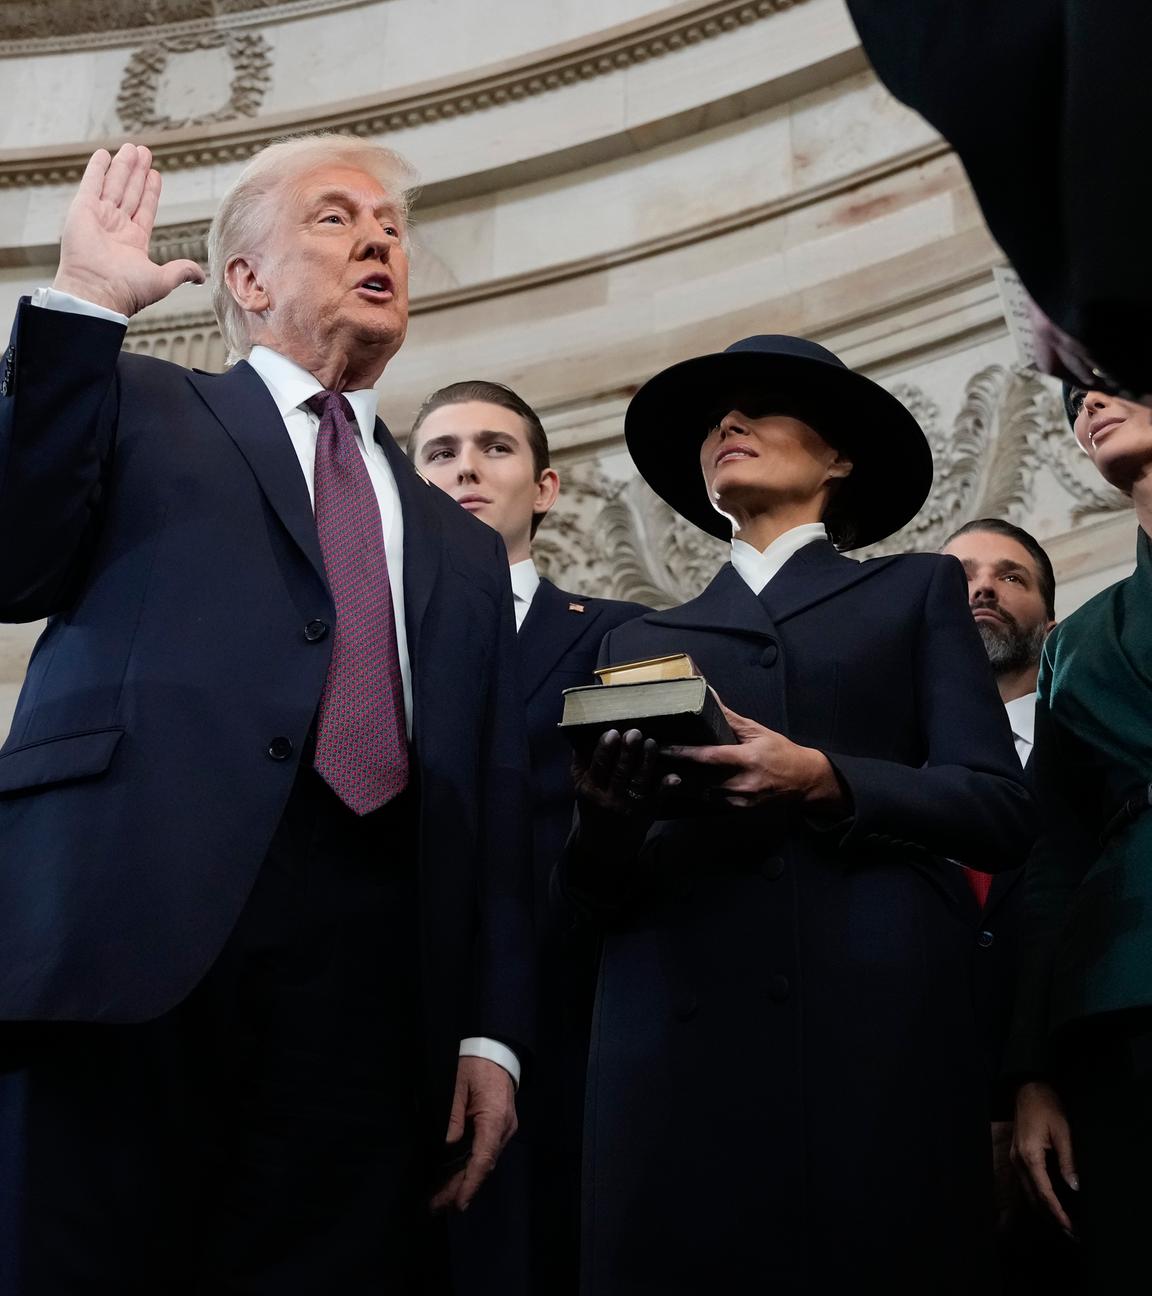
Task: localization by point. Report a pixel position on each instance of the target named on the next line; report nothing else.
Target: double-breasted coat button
(280, 748)
(685, 1010)
(314, 631)
(985, 939)
(769, 655)
(773, 868)
(779, 987)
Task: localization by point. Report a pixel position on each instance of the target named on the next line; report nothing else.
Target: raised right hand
(104, 246)
(1042, 1127)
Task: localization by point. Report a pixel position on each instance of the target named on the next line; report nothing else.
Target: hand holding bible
(104, 245)
(763, 765)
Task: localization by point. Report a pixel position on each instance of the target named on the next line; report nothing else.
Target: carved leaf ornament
(251, 71)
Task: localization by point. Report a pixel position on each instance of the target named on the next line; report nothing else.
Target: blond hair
(243, 219)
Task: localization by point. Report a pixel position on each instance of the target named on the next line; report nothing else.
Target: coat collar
(244, 406)
(246, 410)
(423, 537)
(550, 629)
(811, 575)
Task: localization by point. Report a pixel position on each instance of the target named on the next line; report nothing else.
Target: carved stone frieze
(36, 27)
(1011, 426)
(510, 84)
(251, 62)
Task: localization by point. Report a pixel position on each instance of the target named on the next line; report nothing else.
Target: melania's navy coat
(786, 1086)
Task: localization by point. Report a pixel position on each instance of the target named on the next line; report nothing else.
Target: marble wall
(608, 187)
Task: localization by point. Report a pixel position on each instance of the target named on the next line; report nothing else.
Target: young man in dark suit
(263, 908)
(487, 448)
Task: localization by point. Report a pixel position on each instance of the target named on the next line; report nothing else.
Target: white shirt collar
(291, 386)
(758, 568)
(1022, 717)
(525, 583)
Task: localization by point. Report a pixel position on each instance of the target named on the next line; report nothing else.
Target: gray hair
(242, 221)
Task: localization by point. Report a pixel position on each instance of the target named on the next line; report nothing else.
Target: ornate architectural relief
(34, 27)
(521, 80)
(620, 540)
(1010, 428)
(251, 71)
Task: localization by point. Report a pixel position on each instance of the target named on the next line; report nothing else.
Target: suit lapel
(814, 573)
(548, 633)
(245, 409)
(727, 605)
(422, 541)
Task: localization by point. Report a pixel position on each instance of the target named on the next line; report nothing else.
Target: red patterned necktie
(361, 742)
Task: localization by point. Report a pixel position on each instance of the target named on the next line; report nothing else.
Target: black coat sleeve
(504, 1000)
(57, 432)
(600, 870)
(968, 800)
(1069, 792)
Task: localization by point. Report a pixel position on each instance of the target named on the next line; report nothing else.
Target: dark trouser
(263, 1136)
(1107, 1085)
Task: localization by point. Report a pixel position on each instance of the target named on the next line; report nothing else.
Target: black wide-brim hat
(669, 417)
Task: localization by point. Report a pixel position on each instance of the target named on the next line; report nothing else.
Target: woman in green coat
(1082, 1046)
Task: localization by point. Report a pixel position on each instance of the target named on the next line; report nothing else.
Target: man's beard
(1009, 648)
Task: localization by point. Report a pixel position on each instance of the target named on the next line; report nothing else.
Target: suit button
(773, 869)
(769, 655)
(280, 748)
(779, 987)
(314, 631)
(985, 939)
(685, 1010)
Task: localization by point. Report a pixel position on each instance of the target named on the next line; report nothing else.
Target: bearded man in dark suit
(1012, 594)
(263, 912)
(483, 444)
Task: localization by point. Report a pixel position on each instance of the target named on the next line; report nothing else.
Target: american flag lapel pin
(575, 607)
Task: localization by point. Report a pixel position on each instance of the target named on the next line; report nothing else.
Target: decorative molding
(251, 60)
(511, 82)
(33, 27)
(190, 240)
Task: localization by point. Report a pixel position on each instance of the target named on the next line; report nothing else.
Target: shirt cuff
(52, 299)
(479, 1046)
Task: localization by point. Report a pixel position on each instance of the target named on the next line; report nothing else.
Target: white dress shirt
(525, 583)
(1022, 718)
(290, 386)
(758, 567)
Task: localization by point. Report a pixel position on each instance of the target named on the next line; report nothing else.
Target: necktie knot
(329, 402)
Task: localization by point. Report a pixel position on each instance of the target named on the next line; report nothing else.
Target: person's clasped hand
(763, 765)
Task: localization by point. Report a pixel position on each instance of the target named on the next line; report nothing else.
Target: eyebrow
(1002, 567)
(486, 436)
(347, 199)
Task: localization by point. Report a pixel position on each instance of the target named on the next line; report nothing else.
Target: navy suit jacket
(160, 519)
(559, 643)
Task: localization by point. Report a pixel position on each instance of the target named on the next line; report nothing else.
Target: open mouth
(375, 287)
